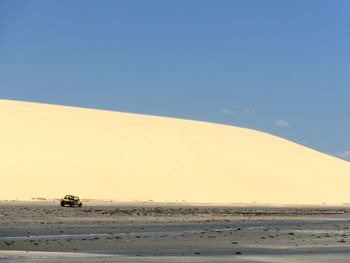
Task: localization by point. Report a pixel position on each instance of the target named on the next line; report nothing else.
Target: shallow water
(60, 257)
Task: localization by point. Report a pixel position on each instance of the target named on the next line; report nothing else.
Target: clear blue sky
(277, 66)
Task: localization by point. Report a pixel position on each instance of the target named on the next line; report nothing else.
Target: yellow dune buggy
(71, 200)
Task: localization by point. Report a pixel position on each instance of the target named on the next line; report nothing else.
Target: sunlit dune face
(50, 151)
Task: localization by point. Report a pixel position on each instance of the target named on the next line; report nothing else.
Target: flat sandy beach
(151, 232)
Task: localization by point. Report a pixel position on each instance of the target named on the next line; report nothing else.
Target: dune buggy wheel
(80, 205)
(62, 203)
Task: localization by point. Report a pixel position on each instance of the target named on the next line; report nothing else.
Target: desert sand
(175, 191)
(98, 232)
(49, 151)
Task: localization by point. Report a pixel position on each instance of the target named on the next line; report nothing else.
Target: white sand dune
(48, 151)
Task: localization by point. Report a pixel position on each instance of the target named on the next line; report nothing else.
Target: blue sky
(276, 66)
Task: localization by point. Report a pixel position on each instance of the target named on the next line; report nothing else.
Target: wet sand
(150, 232)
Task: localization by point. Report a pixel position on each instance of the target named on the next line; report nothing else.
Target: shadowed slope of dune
(48, 150)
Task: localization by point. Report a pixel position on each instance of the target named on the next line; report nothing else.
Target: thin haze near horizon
(275, 66)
